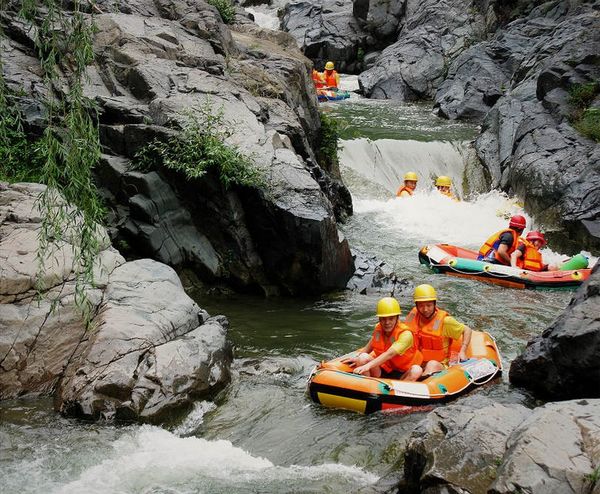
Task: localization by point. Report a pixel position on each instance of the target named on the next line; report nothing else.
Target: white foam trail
(195, 418)
(152, 456)
(385, 161)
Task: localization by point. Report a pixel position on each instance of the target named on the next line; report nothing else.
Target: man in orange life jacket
(391, 347)
(332, 78)
(410, 184)
(443, 184)
(317, 78)
(527, 254)
(498, 248)
(434, 328)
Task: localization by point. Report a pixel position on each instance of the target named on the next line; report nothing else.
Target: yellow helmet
(443, 181)
(329, 66)
(425, 293)
(411, 176)
(388, 306)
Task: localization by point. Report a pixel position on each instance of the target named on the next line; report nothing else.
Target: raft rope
(499, 275)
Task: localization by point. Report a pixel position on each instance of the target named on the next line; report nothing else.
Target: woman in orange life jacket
(317, 78)
(443, 185)
(331, 77)
(498, 248)
(410, 184)
(434, 328)
(527, 254)
(391, 347)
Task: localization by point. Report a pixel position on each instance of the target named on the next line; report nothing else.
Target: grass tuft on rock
(584, 119)
(225, 8)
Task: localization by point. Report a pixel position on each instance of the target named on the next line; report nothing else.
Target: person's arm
(503, 253)
(337, 79)
(376, 362)
(365, 349)
(514, 256)
(462, 354)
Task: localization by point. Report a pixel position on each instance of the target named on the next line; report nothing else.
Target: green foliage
(225, 8)
(20, 157)
(199, 147)
(582, 95)
(69, 146)
(589, 124)
(360, 54)
(585, 120)
(327, 153)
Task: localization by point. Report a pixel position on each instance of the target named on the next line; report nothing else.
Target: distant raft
(331, 95)
(333, 384)
(457, 261)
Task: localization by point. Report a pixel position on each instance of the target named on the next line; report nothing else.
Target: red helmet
(518, 222)
(531, 236)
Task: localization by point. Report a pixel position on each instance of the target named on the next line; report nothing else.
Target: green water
(262, 433)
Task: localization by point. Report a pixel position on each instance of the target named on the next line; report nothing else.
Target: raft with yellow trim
(333, 384)
(458, 261)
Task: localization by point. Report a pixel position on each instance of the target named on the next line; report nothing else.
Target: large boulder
(433, 34)
(480, 447)
(146, 350)
(326, 31)
(157, 61)
(564, 361)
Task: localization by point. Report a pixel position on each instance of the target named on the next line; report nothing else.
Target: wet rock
(477, 446)
(375, 276)
(563, 362)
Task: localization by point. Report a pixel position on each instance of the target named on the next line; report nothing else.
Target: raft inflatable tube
(332, 384)
(331, 95)
(457, 261)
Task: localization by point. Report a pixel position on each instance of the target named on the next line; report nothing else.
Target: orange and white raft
(458, 261)
(333, 384)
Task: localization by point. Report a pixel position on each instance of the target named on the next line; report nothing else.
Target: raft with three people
(333, 383)
(458, 261)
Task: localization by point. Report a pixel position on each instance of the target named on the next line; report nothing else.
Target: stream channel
(262, 434)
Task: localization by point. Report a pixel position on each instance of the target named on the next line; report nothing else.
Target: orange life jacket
(317, 78)
(381, 344)
(531, 258)
(331, 78)
(432, 343)
(489, 249)
(404, 188)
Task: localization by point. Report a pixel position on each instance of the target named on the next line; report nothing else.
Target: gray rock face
(150, 350)
(157, 60)
(326, 31)
(433, 34)
(380, 18)
(480, 447)
(564, 361)
(375, 276)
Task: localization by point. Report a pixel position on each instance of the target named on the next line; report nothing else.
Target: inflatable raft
(331, 95)
(333, 384)
(457, 261)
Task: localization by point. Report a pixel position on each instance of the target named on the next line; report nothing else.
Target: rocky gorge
(157, 59)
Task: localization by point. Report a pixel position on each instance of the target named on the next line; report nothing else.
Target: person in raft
(498, 248)
(410, 184)
(331, 77)
(317, 78)
(443, 185)
(434, 328)
(391, 348)
(527, 255)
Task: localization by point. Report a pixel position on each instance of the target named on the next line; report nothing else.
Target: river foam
(151, 459)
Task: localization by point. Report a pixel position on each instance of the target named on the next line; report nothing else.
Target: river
(262, 434)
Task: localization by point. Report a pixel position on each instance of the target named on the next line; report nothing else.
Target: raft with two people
(333, 383)
(461, 262)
